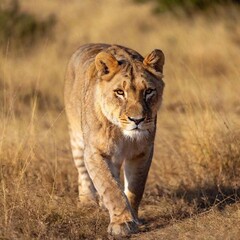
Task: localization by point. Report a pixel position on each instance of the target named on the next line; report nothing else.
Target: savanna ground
(193, 188)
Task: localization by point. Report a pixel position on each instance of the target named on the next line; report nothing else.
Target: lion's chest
(126, 150)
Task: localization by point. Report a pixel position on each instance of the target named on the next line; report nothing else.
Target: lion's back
(78, 65)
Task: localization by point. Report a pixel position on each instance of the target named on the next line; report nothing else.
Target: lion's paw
(123, 229)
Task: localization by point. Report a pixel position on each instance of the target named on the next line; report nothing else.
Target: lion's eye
(149, 91)
(119, 92)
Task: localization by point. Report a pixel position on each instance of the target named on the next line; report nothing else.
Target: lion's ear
(155, 60)
(106, 64)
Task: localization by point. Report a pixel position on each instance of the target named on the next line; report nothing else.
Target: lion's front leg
(135, 177)
(122, 221)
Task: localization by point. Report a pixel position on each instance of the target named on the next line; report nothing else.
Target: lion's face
(130, 98)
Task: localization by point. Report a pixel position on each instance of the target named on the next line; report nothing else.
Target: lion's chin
(136, 134)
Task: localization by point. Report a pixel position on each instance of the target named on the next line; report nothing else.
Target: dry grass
(193, 188)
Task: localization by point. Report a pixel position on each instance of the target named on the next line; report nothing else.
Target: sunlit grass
(196, 165)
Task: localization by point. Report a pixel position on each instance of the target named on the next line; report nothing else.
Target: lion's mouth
(136, 128)
(131, 129)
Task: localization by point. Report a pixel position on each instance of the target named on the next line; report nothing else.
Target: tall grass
(197, 156)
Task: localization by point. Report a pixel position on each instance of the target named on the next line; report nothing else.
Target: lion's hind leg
(87, 192)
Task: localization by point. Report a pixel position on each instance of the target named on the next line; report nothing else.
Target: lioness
(112, 95)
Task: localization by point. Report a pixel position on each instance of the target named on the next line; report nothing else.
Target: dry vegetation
(194, 184)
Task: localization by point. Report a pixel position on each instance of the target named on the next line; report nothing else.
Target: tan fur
(112, 95)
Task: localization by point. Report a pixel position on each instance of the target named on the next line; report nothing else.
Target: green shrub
(188, 6)
(20, 28)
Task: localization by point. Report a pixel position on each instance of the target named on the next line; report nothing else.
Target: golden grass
(196, 165)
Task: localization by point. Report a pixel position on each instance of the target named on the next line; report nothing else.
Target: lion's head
(130, 90)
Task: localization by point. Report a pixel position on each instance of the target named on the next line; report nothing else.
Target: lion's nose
(136, 120)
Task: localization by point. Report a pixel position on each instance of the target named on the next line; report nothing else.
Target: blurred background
(196, 163)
